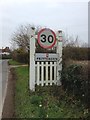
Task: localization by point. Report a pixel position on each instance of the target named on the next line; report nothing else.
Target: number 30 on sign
(46, 38)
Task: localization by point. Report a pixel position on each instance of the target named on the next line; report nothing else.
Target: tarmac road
(3, 82)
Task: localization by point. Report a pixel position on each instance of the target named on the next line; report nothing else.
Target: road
(3, 82)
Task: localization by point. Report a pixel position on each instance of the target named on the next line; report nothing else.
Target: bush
(42, 112)
(75, 81)
(71, 78)
(76, 53)
(20, 55)
(35, 99)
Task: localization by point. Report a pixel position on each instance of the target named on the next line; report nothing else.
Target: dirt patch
(8, 108)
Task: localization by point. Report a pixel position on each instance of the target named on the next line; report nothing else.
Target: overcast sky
(71, 17)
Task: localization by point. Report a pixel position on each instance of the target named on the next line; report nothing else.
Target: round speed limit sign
(46, 38)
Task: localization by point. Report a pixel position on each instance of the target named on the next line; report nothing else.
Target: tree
(85, 45)
(22, 36)
(70, 41)
(20, 55)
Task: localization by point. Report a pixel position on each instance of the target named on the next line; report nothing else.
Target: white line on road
(4, 81)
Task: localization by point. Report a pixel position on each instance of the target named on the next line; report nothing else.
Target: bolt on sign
(46, 38)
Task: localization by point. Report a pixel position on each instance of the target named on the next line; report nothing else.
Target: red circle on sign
(43, 46)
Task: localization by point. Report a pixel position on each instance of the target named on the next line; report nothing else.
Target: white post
(59, 52)
(32, 62)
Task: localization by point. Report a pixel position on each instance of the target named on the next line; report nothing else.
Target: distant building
(5, 51)
(0, 51)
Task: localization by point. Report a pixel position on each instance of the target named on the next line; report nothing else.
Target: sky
(69, 16)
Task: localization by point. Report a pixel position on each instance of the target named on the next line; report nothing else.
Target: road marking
(4, 81)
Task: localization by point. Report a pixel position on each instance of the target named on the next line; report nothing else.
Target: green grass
(45, 102)
(13, 62)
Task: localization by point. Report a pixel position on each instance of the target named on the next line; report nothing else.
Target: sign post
(32, 62)
(45, 68)
(59, 61)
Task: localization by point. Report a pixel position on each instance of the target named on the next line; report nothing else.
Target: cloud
(50, 2)
(51, 13)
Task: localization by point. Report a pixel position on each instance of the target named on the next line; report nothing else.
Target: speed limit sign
(46, 38)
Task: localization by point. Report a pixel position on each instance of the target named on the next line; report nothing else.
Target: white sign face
(46, 57)
(46, 38)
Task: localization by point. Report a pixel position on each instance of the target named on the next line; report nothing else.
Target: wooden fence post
(59, 61)
(32, 61)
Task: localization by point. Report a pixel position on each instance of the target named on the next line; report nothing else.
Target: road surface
(3, 82)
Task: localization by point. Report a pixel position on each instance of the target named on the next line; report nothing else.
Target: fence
(45, 73)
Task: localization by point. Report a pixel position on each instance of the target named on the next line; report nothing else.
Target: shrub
(71, 79)
(20, 55)
(76, 53)
(35, 99)
(42, 112)
(75, 81)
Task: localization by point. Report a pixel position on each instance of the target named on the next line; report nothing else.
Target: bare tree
(85, 45)
(70, 41)
(22, 36)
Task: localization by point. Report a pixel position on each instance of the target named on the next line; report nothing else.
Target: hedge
(76, 53)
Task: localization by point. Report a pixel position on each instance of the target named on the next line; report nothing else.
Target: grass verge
(45, 102)
(13, 62)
